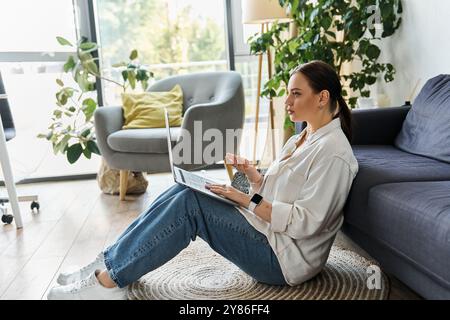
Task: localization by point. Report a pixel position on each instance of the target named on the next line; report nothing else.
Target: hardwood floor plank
(51, 209)
(107, 212)
(32, 280)
(61, 237)
(36, 229)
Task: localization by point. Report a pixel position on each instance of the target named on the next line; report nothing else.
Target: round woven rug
(199, 273)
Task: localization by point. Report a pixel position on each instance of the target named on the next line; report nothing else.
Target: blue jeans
(175, 218)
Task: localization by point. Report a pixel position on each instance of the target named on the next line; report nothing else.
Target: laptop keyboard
(194, 180)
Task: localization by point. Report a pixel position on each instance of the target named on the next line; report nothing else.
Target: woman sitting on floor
(282, 232)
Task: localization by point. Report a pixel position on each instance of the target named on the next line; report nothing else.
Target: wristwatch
(254, 202)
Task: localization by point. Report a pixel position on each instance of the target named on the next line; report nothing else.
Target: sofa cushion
(152, 140)
(426, 130)
(413, 220)
(387, 164)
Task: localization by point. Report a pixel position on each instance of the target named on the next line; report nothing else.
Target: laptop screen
(169, 143)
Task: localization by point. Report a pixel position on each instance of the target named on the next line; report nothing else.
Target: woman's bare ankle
(105, 280)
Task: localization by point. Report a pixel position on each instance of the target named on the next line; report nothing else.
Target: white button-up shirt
(308, 191)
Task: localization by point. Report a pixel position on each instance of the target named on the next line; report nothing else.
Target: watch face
(256, 198)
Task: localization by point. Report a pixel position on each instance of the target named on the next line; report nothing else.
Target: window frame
(86, 25)
(47, 56)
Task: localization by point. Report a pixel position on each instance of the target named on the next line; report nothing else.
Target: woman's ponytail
(345, 116)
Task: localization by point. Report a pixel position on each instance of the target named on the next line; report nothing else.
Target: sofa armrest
(377, 126)
(107, 120)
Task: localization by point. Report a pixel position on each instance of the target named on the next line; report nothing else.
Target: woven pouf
(199, 273)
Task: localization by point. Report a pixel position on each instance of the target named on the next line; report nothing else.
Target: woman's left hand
(230, 192)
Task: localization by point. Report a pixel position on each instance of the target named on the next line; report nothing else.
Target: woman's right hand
(243, 165)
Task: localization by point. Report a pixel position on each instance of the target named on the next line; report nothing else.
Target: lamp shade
(263, 11)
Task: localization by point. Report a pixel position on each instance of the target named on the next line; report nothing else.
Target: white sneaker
(72, 276)
(87, 289)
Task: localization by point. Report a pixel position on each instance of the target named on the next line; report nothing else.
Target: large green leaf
(63, 41)
(373, 52)
(74, 152)
(85, 57)
(125, 75)
(88, 46)
(371, 80)
(132, 79)
(293, 45)
(142, 75)
(87, 153)
(133, 54)
(85, 133)
(61, 97)
(89, 107)
(119, 65)
(92, 146)
(61, 146)
(400, 7)
(82, 79)
(144, 84)
(70, 64)
(91, 66)
(326, 22)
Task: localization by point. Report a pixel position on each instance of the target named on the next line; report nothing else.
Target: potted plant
(337, 32)
(71, 131)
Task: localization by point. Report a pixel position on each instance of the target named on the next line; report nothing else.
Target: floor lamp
(263, 12)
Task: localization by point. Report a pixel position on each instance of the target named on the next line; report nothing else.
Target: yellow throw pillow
(146, 110)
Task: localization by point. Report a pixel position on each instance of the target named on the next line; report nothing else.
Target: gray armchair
(215, 98)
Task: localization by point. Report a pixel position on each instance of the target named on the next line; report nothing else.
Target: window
(247, 65)
(31, 26)
(171, 36)
(30, 61)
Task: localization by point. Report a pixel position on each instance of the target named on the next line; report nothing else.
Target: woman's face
(302, 103)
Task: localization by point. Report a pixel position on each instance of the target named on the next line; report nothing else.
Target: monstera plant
(71, 130)
(337, 32)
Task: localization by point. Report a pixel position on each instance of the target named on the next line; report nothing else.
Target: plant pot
(109, 180)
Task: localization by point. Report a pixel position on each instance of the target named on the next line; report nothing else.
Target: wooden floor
(75, 223)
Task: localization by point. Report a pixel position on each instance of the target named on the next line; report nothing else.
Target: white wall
(420, 48)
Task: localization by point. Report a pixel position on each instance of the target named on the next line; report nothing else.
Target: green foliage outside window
(318, 24)
(160, 35)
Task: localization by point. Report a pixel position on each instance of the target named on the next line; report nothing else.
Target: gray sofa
(398, 209)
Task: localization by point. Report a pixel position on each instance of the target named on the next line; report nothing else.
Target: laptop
(191, 179)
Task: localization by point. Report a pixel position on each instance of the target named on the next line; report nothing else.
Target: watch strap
(255, 201)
